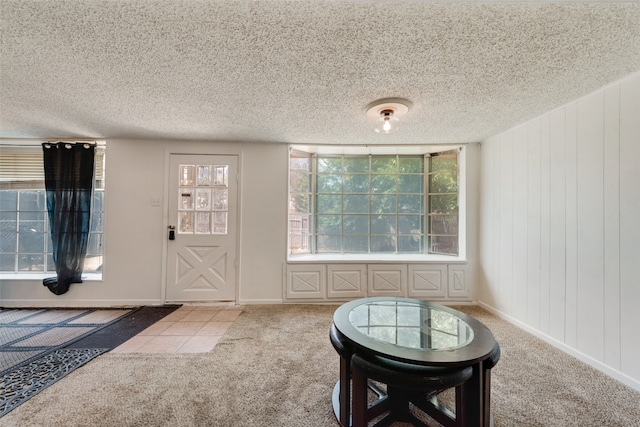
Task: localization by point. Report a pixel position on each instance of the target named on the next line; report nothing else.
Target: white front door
(203, 199)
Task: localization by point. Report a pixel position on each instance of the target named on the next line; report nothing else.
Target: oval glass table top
(411, 325)
(414, 331)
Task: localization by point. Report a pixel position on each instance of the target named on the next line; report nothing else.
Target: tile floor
(189, 329)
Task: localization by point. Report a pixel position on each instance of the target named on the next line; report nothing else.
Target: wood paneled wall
(559, 244)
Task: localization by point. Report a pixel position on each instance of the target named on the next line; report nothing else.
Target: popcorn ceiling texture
(301, 71)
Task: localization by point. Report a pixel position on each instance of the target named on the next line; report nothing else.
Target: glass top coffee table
(428, 334)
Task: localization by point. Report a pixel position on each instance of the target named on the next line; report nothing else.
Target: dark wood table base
(360, 334)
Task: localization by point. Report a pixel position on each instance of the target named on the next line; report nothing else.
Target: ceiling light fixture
(386, 113)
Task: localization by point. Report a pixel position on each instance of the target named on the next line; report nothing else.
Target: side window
(24, 226)
(300, 207)
(443, 203)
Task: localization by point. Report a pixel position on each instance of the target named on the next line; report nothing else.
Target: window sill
(383, 258)
(89, 277)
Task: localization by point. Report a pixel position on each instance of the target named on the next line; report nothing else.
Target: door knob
(172, 232)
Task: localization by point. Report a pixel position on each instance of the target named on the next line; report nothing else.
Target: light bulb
(386, 127)
(386, 117)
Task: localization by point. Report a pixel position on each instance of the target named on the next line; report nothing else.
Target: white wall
(559, 244)
(135, 231)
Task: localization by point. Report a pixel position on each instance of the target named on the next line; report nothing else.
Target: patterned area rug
(22, 383)
(32, 347)
(26, 335)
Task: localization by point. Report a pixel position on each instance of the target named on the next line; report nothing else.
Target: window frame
(32, 180)
(425, 152)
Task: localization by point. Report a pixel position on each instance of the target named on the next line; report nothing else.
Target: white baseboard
(259, 301)
(608, 370)
(76, 303)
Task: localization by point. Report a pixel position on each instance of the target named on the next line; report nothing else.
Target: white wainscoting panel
(346, 280)
(458, 286)
(306, 281)
(427, 281)
(590, 226)
(611, 163)
(629, 262)
(557, 226)
(387, 280)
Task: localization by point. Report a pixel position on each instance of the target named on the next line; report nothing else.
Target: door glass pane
(187, 174)
(204, 175)
(203, 199)
(185, 198)
(220, 199)
(219, 223)
(203, 223)
(185, 222)
(221, 175)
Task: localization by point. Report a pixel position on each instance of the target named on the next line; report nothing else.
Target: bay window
(374, 204)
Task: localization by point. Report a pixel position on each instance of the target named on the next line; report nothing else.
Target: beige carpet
(276, 367)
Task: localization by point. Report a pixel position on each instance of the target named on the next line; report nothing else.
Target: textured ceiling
(301, 71)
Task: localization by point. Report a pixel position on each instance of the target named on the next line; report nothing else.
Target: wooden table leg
(345, 392)
(470, 400)
(360, 404)
(486, 397)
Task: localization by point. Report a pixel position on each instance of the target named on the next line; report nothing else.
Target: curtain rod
(12, 142)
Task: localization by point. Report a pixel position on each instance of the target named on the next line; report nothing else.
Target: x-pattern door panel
(201, 268)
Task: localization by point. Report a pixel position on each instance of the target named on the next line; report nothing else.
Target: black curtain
(68, 174)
